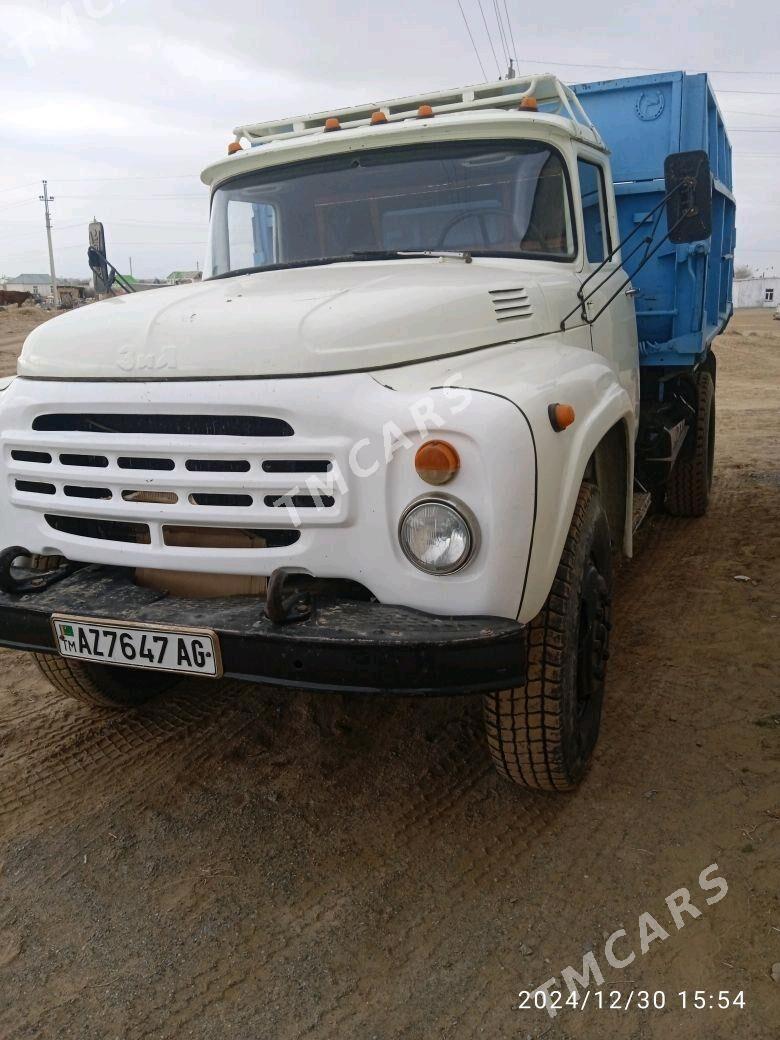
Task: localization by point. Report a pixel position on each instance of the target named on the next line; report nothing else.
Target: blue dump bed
(685, 290)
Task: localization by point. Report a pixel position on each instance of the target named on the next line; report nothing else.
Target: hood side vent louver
(510, 304)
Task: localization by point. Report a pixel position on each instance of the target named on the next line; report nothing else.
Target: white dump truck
(446, 352)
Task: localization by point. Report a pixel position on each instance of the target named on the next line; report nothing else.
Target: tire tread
(523, 724)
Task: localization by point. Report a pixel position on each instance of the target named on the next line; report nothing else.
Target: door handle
(632, 292)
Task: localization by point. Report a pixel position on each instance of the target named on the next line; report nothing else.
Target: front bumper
(346, 646)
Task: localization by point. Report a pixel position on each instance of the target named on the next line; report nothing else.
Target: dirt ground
(260, 865)
(15, 324)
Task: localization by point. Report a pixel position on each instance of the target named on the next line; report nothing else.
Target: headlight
(436, 536)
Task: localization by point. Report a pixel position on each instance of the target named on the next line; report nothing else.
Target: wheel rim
(592, 644)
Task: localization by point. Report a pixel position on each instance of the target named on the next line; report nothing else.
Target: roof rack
(552, 97)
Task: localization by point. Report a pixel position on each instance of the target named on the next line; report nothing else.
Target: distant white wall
(757, 292)
(41, 288)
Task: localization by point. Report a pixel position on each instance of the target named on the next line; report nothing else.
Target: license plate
(191, 651)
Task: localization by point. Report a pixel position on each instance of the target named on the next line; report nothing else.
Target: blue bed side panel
(684, 291)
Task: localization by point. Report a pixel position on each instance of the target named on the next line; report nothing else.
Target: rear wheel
(688, 490)
(102, 685)
(542, 734)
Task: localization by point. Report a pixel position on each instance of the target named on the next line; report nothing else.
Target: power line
(114, 245)
(102, 198)
(471, 37)
(511, 32)
(501, 36)
(490, 38)
(742, 112)
(133, 177)
(155, 223)
(18, 187)
(19, 202)
(648, 68)
(727, 90)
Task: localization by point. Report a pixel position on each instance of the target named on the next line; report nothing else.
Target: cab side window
(594, 211)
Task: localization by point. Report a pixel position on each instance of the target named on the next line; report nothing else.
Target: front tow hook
(284, 605)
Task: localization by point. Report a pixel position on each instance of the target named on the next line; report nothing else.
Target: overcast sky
(121, 103)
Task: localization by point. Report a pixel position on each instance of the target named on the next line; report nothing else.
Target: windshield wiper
(403, 254)
(367, 254)
(320, 261)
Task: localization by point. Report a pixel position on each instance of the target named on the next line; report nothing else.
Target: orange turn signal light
(528, 104)
(561, 416)
(377, 118)
(332, 123)
(233, 147)
(436, 462)
(424, 112)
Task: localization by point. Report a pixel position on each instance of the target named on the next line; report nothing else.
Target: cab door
(613, 332)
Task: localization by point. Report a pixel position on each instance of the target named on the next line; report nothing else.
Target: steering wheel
(480, 216)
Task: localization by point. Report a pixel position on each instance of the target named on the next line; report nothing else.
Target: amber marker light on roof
(436, 462)
(233, 147)
(378, 118)
(332, 123)
(561, 416)
(528, 104)
(424, 112)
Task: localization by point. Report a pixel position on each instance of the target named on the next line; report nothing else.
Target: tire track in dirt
(406, 826)
(70, 754)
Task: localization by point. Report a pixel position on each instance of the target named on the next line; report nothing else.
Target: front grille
(228, 538)
(41, 457)
(95, 461)
(35, 487)
(297, 466)
(93, 476)
(127, 462)
(203, 498)
(300, 501)
(165, 425)
(104, 530)
(218, 465)
(76, 491)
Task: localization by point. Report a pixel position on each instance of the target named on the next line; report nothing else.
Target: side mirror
(96, 254)
(689, 185)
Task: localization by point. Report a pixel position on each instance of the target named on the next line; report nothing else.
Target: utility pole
(46, 199)
(131, 266)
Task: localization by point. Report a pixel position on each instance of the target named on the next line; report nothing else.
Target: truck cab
(387, 445)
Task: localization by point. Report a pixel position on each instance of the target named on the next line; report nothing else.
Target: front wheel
(542, 735)
(102, 685)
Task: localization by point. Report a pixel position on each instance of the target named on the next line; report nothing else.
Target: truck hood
(315, 320)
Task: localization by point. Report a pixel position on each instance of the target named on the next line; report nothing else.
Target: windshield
(506, 199)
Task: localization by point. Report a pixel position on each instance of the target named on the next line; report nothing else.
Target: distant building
(70, 295)
(757, 292)
(182, 277)
(134, 283)
(37, 284)
(40, 286)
